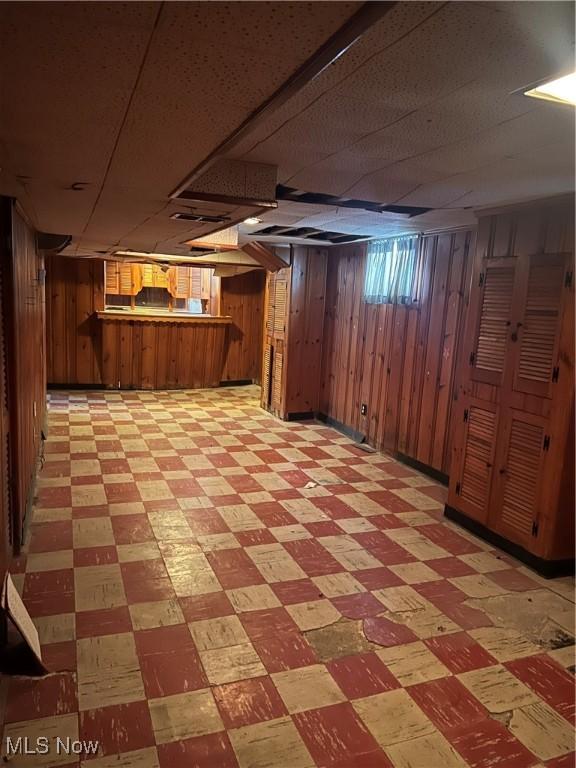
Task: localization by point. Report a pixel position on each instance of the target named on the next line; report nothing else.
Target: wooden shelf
(162, 317)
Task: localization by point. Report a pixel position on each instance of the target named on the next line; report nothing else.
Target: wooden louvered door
(540, 301)
(491, 308)
(275, 322)
(471, 478)
(519, 469)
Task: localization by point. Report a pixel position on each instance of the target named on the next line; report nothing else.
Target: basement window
(392, 270)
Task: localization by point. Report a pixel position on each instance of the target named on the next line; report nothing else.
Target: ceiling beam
(345, 37)
(264, 256)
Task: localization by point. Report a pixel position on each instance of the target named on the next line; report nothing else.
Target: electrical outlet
(363, 409)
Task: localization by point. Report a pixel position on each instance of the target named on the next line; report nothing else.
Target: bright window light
(562, 90)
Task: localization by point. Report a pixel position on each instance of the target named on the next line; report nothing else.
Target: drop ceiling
(108, 107)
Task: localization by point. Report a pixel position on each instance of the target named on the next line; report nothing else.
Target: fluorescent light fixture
(252, 221)
(561, 90)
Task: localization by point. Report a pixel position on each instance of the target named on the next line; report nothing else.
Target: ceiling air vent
(318, 198)
(204, 219)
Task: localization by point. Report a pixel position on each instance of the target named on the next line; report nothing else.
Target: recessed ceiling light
(252, 221)
(561, 90)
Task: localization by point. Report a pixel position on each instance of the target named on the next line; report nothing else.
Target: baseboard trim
(299, 416)
(435, 474)
(75, 387)
(339, 426)
(549, 569)
(237, 383)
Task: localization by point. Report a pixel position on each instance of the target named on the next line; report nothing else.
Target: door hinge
(546, 443)
(568, 280)
(466, 415)
(458, 486)
(534, 528)
(472, 358)
(481, 279)
(555, 374)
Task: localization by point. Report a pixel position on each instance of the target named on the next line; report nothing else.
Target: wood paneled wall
(75, 292)
(305, 329)
(23, 319)
(242, 297)
(164, 355)
(398, 360)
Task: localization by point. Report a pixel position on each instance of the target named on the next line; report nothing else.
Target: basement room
(287, 446)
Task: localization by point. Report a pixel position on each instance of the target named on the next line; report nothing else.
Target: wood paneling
(518, 365)
(242, 298)
(397, 360)
(305, 329)
(162, 355)
(75, 292)
(23, 319)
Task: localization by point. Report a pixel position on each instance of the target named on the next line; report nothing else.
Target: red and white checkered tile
(219, 589)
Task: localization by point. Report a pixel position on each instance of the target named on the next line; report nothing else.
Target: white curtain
(391, 270)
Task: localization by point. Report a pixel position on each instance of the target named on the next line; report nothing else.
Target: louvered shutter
(518, 479)
(280, 306)
(126, 286)
(179, 282)
(277, 380)
(266, 376)
(195, 283)
(271, 283)
(538, 334)
(112, 277)
(493, 320)
(474, 478)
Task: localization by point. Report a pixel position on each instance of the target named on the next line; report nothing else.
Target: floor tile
(309, 687)
(231, 663)
(270, 744)
(393, 717)
(334, 734)
(248, 701)
(362, 675)
(184, 715)
(497, 689)
(412, 663)
(425, 752)
(120, 728)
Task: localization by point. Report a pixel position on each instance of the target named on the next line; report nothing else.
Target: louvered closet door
(473, 476)
(540, 307)
(492, 308)
(519, 468)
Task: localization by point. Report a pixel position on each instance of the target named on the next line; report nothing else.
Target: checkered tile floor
(216, 588)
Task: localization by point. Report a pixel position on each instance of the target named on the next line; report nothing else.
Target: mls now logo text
(24, 745)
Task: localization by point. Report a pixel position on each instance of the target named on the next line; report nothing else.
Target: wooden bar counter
(144, 349)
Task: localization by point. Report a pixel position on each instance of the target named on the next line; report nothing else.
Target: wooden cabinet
(512, 442)
(123, 279)
(293, 331)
